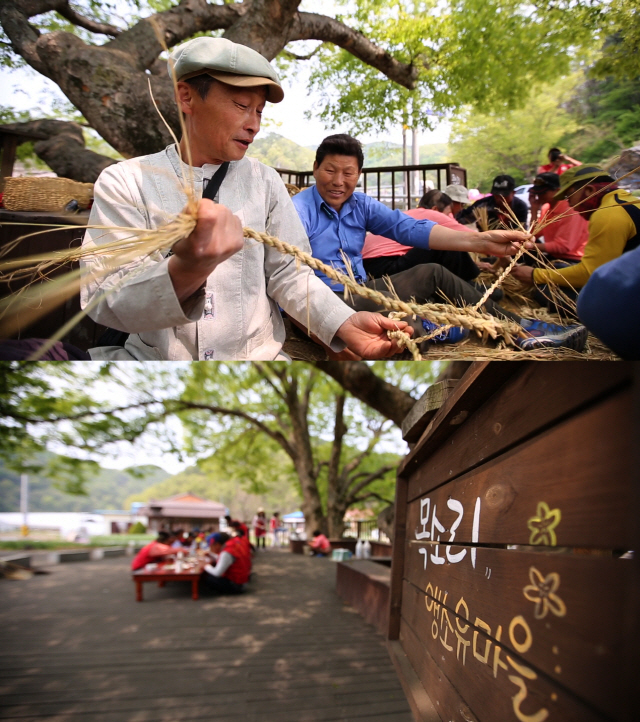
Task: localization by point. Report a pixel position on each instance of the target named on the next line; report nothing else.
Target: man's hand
(502, 243)
(487, 243)
(365, 334)
(216, 237)
(523, 273)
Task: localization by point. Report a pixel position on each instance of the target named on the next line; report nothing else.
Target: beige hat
(227, 62)
(457, 193)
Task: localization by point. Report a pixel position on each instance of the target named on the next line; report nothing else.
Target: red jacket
(144, 556)
(239, 571)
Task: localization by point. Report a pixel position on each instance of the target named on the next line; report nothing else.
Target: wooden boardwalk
(76, 647)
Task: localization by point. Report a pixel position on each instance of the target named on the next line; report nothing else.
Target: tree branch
(63, 149)
(311, 26)
(264, 374)
(371, 495)
(294, 56)
(360, 381)
(80, 21)
(369, 479)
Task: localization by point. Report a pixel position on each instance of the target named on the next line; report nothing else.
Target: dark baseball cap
(503, 185)
(544, 182)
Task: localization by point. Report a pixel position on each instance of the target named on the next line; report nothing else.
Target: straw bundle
(45, 194)
(293, 190)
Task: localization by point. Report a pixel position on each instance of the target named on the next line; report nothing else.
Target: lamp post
(24, 503)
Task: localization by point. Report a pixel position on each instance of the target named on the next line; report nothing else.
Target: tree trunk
(335, 519)
(109, 83)
(64, 150)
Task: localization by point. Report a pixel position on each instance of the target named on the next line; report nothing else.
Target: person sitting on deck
(233, 565)
(156, 551)
(337, 219)
(217, 295)
(614, 229)
(383, 257)
(501, 206)
(319, 546)
(567, 232)
(459, 197)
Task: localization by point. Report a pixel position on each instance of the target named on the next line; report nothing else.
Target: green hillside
(107, 490)
(281, 496)
(279, 152)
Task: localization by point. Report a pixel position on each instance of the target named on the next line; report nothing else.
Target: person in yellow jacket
(614, 228)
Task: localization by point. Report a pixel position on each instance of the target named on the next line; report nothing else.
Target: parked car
(523, 193)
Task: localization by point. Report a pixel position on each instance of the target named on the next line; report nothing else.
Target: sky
(25, 89)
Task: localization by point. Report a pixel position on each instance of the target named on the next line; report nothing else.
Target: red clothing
(274, 523)
(259, 526)
(320, 543)
(377, 246)
(150, 553)
(567, 237)
(550, 168)
(239, 571)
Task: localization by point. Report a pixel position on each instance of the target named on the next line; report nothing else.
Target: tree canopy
(327, 428)
(374, 63)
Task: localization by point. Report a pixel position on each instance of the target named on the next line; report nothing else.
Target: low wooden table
(167, 573)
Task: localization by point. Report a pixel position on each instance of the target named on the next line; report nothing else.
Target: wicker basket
(45, 194)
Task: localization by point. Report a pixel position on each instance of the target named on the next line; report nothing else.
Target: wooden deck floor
(76, 647)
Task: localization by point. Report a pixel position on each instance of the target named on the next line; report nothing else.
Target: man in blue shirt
(337, 220)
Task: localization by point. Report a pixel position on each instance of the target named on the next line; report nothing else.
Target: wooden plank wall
(509, 596)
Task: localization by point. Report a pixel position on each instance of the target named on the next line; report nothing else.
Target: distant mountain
(280, 152)
(386, 154)
(107, 490)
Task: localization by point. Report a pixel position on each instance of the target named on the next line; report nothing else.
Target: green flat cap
(577, 174)
(227, 62)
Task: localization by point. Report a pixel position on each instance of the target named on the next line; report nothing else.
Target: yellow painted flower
(543, 525)
(542, 591)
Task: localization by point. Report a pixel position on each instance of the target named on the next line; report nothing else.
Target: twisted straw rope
(440, 313)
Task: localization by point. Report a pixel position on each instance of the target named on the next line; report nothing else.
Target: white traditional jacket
(236, 315)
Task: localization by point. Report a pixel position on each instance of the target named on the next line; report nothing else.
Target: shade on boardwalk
(76, 647)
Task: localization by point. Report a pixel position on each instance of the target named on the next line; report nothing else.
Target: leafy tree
(376, 62)
(621, 53)
(516, 141)
(249, 418)
(608, 114)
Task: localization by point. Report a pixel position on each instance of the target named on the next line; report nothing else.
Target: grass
(117, 540)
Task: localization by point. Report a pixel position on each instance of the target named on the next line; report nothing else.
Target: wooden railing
(383, 183)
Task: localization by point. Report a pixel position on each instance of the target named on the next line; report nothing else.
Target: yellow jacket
(610, 227)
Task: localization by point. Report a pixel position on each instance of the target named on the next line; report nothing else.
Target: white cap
(457, 193)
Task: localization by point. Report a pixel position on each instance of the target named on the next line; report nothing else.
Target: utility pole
(415, 160)
(24, 503)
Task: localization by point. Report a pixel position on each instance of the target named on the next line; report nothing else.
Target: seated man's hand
(523, 273)
(365, 334)
(216, 237)
(503, 243)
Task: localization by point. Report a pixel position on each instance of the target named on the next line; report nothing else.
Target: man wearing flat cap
(217, 295)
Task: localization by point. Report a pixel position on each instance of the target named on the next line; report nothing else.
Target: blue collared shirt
(331, 231)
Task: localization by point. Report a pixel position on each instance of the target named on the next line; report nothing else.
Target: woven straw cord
(440, 313)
